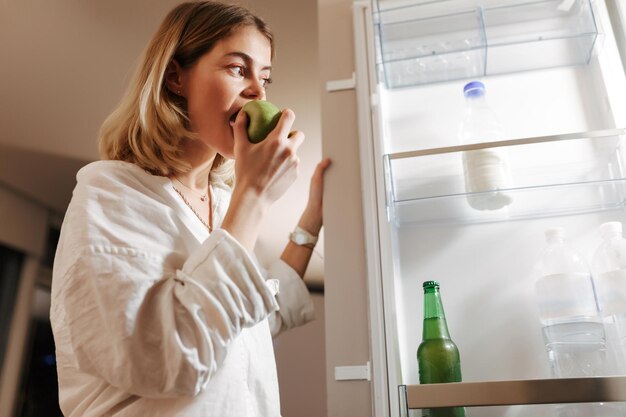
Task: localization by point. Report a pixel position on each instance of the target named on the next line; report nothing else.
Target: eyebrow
(247, 58)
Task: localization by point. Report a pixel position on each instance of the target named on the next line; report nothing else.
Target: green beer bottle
(437, 356)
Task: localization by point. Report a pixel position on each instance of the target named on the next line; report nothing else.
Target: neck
(201, 158)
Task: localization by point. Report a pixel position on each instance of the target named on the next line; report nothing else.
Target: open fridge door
(554, 73)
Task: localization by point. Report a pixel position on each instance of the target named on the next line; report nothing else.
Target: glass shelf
(548, 176)
(519, 392)
(440, 41)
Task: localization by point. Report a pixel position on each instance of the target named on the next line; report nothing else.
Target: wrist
(310, 222)
(244, 217)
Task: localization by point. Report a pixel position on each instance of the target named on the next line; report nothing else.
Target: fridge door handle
(339, 85)
(353, 373)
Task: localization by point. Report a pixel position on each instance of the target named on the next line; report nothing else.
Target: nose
(255, 89)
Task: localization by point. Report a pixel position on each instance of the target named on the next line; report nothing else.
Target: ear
(174, 78)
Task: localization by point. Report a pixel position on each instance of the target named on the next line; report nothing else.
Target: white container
(486, 171)
(572, 328)
(609, 270)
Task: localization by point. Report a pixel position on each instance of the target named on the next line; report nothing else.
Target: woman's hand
(312, 217)
(263, 172)
(296, 256)
(268, 168)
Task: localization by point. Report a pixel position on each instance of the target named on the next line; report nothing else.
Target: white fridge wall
(487, 281)
(528, 104)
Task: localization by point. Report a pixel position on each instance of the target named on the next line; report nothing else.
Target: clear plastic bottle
(572, 328)
(609, 270)
(486, 171)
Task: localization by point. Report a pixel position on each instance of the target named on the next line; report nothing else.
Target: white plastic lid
(555, 233)
(609, 229)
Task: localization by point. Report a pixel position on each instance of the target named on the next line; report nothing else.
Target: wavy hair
(150, 123)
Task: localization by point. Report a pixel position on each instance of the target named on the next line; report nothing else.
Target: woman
(158, 306)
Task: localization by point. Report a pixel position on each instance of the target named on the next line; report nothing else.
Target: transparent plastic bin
(550, 176)
(562, 33)
(440, 41)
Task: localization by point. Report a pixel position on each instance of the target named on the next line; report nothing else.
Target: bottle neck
(435, 326)
(476, 101)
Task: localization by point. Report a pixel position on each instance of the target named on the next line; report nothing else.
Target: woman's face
(216, 86)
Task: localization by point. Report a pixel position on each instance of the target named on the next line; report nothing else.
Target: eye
(238, 70)
(266, 81)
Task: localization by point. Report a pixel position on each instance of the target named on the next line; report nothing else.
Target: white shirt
(154, 317)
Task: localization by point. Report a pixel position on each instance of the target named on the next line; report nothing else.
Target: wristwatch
(303, 238)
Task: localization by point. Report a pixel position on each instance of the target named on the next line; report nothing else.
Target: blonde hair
(150, 122)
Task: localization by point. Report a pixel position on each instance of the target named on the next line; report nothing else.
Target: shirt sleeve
(156, 333)
(296, 305)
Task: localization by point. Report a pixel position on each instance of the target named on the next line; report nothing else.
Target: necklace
(203, 197)
(209, 225)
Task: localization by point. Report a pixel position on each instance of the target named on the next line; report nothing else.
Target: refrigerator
(396, 206)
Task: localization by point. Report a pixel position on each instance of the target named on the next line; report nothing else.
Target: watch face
(300, 239)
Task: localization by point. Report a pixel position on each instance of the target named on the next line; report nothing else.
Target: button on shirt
(152, 316)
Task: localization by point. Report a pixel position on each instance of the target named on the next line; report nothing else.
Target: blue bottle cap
(474, 89)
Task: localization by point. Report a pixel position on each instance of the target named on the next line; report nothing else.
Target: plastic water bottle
(486, 171)
(609, 269)
(572, 328)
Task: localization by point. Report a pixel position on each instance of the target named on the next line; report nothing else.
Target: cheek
(202, 113)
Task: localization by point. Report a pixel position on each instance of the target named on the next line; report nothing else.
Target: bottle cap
(555, 232)
(609, 229)
(430, 284)
(474, 89)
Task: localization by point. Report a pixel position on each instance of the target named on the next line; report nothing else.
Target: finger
(323, 165)
(283, 127)
(296, 138)
(240, 127)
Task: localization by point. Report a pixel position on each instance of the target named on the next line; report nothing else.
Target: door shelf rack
(518, 392)
(436, 41)
(548, 176)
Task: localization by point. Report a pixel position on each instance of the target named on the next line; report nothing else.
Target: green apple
(262, 119)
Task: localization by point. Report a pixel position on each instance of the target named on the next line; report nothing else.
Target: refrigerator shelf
(437, 41)
(549, 176)
(518, 392)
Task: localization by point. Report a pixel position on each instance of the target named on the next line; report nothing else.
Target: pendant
(204, 198)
